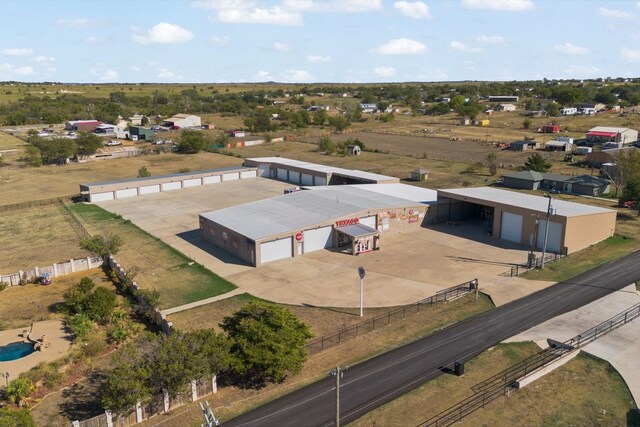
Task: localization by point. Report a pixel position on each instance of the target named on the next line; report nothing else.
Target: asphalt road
(387, 376)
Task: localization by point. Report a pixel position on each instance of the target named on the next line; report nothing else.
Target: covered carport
(453, 211)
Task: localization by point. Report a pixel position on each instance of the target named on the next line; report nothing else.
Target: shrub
(13, 418)
(18, 389)
(143, 172)
(3, 286)
(81, 325)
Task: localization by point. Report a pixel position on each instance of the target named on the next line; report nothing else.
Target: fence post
(194, 391)
(214, 384)
(138, 412)
(73, 267)
(75, 423)
(165, 400)
(109, 418)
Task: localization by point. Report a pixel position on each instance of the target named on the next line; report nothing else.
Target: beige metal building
(522, 218)
(348, 217)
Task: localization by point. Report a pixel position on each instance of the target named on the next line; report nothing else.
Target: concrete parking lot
(409, 266)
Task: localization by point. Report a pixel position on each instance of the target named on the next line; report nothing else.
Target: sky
(313, 41)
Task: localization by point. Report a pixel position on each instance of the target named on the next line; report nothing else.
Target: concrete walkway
(620, 348)
(206, 301)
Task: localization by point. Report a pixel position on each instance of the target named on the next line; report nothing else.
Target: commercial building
(348, 217)
(82, 125)
(522, 218)
(311, 174)
(139, 133)
(183, 121)
(602, 134)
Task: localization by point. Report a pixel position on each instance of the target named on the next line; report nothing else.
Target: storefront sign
(299, 236)
(413, 218)
(410, 211)
(393, 215)
(345, 222)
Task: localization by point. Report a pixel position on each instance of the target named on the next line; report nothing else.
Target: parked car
(629, 204)
(113, 142)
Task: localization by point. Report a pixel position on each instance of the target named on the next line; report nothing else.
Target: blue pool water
(15, 350)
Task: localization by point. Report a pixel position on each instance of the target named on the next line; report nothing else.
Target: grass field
(565, 397)
(155, 264)
(37, 236)
(21, 305)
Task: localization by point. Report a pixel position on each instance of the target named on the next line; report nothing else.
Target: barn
(183, 121)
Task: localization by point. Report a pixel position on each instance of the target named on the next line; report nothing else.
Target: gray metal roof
(357, 230)
(322, 168)
(300, 210)
(527, 201)
(172, 175)
(403, 191)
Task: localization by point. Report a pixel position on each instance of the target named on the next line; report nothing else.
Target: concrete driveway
(408, 267)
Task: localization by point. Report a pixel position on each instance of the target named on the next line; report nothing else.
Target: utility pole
(546, 232)
(534, 240)
(338, 372)
(361, 273)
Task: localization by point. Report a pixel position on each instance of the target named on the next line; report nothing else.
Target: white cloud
(23, 71)
(42, 58)
(107, 75)
(384, 71)
(402, 46)
(222, 4)
(583, 71)
(273, 15)
(333, 6)
(220, 40)
(164, 33)
(281, 46)
(263, 76)
(167, 74)
(318, 58)
(297, 76)
(135, 68)
(416, 10)
(75, 23)
(613, 13)
(569, 49)
(630, 55)
(490, 39)
(17, 51)
(93, 40)
(461, 47)
(506, 5)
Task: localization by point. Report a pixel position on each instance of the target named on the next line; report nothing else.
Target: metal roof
(156, 177)
(527, 201)
(556, 143)
(300, 210)
(357, 230)
(403, 191)
(322, 168)
(607, 129)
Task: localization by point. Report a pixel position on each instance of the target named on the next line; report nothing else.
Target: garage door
(369, 221)
(554, 238)
(306, 179)
(211, 179)
(148, 189)
(321, 238)
(101, 197)
(278, 249)
(129, 192)
(282, 174)
(321, 181)
(264, 170)
(248, 174)
(511, 227)
(171, 186)
(230, 176)
(294, 177)
(192, 182)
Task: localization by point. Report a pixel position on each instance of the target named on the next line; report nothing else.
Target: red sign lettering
(345, 222)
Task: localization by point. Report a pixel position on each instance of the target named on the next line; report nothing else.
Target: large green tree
(88, 143)
(128, 382)
(267, 343)
(15, 418)
(102, 245)
(191, 141)
(535, 162)
(339, 123)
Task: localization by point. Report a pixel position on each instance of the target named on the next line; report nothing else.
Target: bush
(18, 389)
(81, 325)
(94, 345)
(13, 418)
(3, 286)
(100, 304)
(143, 172)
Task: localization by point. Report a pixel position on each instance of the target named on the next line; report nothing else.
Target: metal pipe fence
(34, 203)
(72, 219)
(385, 319)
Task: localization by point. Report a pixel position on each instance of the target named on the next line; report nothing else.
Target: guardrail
(501, 383)
(403, 312)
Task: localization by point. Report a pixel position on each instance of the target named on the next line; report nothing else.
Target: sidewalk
(191, 305)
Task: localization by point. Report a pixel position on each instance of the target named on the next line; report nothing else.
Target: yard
(154, 264)
(36, 236)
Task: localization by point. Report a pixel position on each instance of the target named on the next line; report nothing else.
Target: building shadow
(475, 230)
(81, 400)
(194, 237)
(354, 312)
(633, 418)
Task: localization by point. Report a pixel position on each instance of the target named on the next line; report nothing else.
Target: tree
(102, 245)
(13, 418)
(339, 123)
(191, 142)
(552, 109)
(88, 143)
(267, 343)
(319, 117)
(260, 121)
(18, 389)
(32, 156)
(76, 296)
(492, 163)
(143, 172)
(326, 145)
(627, 166)
(526, 123)
(100, 304)
(128, 382)
(537, 163)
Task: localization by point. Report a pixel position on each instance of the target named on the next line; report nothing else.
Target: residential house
(523, 145)
(600, 134)
(505, 107)
(532, 180)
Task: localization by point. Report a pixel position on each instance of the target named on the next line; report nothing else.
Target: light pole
(361, 273)
(338, 373)
(546, 232)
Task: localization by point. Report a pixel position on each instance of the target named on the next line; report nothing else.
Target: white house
(183, 121)
(505, 107)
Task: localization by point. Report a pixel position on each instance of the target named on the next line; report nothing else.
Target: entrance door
(300, 251)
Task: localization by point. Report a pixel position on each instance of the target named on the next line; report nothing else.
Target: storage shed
(183, 121)
(419, 175)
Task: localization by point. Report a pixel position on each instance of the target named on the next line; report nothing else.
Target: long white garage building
(348, 217)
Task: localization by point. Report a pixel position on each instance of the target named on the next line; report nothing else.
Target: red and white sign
(345, 222)
(299, 236)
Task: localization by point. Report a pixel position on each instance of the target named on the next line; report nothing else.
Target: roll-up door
(129, 192)
(281, 174)
(211, 179)
(230, 176)
(317, 239)
(171, 186)
(277, 249)
(511, 227)
(294, 177)
(306, 179)
(248, 174)
(320, 181)
(554, 237)
(148, 189)
(102, 197)
(369, 221)
(192, 182)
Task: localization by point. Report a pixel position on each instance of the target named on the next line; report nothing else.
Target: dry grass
(230, 401)
(155, 264)
(21, 305)
(37, 236)
(564, 397)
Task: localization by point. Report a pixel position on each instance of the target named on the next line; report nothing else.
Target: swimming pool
(15, 350)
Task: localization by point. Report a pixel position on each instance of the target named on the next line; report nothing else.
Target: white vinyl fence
(54, 270)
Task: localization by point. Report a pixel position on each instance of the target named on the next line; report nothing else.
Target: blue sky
(300, 41)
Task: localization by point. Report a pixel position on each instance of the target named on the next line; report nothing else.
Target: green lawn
(156, 265)
(612, 248)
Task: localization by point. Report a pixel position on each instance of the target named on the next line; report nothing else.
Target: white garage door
(264, 170)
(511, 227)
(282, 174)
(101, 197)
(278, 249)
(554, 238)
(369, 221)
(211, 179)
(171, 186)
(321, 181)
(129, 192)
(148, 189)
(307, 179)
(294, 177)
(192, 182)
(248, 174)
(317, 239)
(230, 176)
